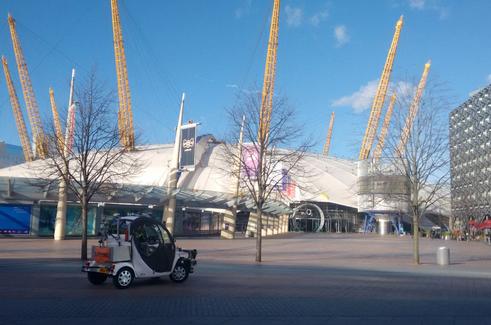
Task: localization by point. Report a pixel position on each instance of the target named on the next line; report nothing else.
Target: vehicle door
(150, 245)
(169, 248)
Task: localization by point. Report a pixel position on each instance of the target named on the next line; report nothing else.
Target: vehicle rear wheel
(180, 273)
(123, 278)
(96, 278)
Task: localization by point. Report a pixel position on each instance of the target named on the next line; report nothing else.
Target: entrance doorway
(307, 217)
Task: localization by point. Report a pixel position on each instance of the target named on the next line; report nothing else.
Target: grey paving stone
(304, 279)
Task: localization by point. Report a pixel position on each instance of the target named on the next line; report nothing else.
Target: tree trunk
(451, 223)
(259, 227)
(415, 238)
(416, 211)
(85, 207)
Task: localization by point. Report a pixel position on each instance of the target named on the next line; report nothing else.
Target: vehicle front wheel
(123, 278)
(180, 273)
(96, 278)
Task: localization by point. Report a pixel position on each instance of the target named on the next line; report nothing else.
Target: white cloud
(475, 91)
(417, 4)
(443, 12)
(404, 89)
(362, 99)
(244, 9)
(294, 16)
(433, 5)
(244, 90)
(319, 17)
(341, 35)
(239, 12)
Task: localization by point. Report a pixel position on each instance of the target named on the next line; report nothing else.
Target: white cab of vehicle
(136, 247)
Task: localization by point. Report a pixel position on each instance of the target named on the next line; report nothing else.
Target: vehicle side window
(165, 235)
(153, 234)
(139, 234)
(148, 239)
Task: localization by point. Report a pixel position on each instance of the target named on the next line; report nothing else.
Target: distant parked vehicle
(136, 247)
(436, 232)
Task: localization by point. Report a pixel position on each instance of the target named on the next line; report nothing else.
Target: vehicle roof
(133, 217)
(130, 218)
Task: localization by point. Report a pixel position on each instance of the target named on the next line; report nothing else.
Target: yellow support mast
(269, 75)
(31, 103)
(325, 150)
(125, 114)
(19, 118)
(56, 120)
(378, 101)
(413, 111)
(385, 127)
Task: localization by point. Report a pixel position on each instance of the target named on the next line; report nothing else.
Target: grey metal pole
(61, 207)
(170, 207)
(232, 220)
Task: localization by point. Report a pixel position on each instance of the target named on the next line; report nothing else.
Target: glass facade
(188, 221)
(470, 156)
(337, 218)
(111, 211)
(242, 221)
(47, 217)
(197, 222)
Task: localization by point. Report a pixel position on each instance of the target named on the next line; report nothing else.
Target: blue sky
(330, 55)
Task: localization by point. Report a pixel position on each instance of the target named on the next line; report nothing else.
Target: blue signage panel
(15, 219)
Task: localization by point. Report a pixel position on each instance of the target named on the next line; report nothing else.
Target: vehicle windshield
(113, 226)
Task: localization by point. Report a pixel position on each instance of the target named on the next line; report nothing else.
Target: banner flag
(188, 147)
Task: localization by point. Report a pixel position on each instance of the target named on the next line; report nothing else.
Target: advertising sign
(15, 219)
(251, 160)
(188, 146)
(288, 185)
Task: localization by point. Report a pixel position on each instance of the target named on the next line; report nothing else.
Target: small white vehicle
(136, 247)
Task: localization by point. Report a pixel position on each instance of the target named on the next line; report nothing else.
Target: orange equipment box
(101, 254)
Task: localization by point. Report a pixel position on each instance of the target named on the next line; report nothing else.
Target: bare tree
(423, 160)
(96, 161)
(264, 161)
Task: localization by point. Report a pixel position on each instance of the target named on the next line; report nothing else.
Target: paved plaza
(304, 279)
